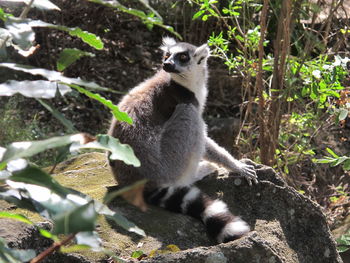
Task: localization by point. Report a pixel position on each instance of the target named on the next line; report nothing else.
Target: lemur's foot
(247, 171)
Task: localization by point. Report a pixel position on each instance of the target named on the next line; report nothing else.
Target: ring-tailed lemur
(170, 139)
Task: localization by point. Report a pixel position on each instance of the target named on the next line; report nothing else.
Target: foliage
(73, 213)
(70, 211)
(335, 160)
(308, 89)
(293, 82)
(344, 242)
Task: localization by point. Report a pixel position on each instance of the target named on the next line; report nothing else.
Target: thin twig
(55, 246)
(26, 10)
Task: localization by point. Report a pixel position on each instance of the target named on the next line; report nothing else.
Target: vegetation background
(279, 68)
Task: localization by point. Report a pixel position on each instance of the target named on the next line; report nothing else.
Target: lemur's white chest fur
(197, 83)
(187, 66)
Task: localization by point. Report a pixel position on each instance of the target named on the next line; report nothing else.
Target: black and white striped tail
(220, 223)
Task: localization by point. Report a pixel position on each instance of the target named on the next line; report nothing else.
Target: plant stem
(26, 10)
(55, 246)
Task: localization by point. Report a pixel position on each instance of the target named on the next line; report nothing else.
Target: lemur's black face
(177, 57)
(183, 58)
(172, 62)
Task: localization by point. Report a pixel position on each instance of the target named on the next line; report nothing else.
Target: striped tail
(221, 225)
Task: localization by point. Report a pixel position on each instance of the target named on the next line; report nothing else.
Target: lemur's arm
(215, 153)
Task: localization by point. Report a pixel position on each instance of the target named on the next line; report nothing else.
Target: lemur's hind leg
(204, 169)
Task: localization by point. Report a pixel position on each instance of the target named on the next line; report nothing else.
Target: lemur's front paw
(248, 172)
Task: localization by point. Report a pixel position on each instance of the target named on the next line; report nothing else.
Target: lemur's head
(183, 59)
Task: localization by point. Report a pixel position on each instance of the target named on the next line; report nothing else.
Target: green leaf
(52, 75)
(18, 150)
(35, 176)
(8, 255)
(325, 160)
(3, 15)
(138, 13)
(118, 219)
(69, 55)
(198, 14)
(90, 239)
(87, 37)
(137, 254)
(119, 115)
(21, 30)
(343, 113)
(340, 160)
(118, 150)
(82, 218)
(17, 217)
(33, 89)
(25, 220)
(21, 33)
(15, 197)
(346, 165)
(332, 153)
(59, 116)
(44, 5)
(74, 249)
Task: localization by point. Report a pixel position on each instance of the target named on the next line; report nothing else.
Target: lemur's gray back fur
(170, 139)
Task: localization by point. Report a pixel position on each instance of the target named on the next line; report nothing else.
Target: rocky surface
(286, 226)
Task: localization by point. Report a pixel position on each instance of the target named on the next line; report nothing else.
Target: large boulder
(286, 226)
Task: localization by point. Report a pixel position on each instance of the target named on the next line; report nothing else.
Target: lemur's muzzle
(170, 67)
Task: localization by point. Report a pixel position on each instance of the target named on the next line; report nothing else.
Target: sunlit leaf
(137, 254)
(74, 248)
(21, 30)
(29, 148)
(330, 151)
(82, 218)
(118, 219)
(52, 75)
(343, 113)
(90, 239)
(69, 55)
(18, 217)
(44, 5)
(33, 89)
(10, 255)
(87, 37)
(22, 34)
(119, 115)
(118, 150)
(346, 165)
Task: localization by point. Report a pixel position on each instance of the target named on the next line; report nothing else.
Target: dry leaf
(135, 197)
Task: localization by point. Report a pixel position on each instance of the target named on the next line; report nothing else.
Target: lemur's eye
(183, 57)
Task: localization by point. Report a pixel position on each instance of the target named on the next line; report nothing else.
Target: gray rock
(286, 226)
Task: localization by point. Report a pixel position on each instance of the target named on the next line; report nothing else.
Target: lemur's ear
(167, 42)
(202, 51)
